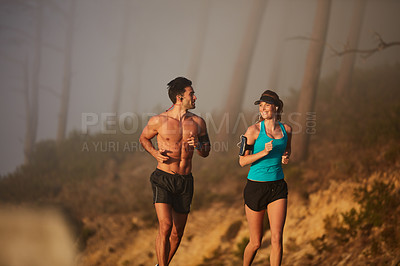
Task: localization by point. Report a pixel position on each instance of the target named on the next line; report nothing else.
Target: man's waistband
(173, 174)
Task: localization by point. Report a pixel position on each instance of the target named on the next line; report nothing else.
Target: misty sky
(161, 38)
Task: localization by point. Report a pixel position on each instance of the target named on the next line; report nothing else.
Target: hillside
(344, 200)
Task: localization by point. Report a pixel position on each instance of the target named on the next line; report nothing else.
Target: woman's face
(267, 110)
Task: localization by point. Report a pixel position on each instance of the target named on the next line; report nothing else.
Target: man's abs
(175, 165)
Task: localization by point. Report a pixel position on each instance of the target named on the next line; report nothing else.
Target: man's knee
(165, 227)
(176, 235)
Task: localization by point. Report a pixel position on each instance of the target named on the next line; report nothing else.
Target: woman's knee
(255, 244)
(276, 239)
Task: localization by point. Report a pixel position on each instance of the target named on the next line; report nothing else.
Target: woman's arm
(247, 158)
(288, 150)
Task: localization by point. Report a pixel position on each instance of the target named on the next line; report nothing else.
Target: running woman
(179, 133)
(266, 145)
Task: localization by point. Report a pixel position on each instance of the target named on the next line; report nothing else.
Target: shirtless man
(179, 133)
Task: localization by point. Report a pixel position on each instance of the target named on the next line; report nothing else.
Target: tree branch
(365, 53)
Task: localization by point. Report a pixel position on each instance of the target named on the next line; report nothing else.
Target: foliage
(368, 114)
(378, 209)
(232, 231)
(54, 167)
(241, 246)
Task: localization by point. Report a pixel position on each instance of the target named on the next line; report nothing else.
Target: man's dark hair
(177, 87)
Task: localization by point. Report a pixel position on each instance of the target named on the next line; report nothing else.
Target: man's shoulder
(194, 116)
(157, 119)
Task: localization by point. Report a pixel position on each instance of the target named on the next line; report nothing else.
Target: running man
(179, 133)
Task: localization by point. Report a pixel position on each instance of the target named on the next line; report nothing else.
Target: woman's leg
(277, 216)
(255, 221)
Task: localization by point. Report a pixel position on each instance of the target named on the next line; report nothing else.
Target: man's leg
(179, 223)
(165, 222)
(277, 216)
(255, 221)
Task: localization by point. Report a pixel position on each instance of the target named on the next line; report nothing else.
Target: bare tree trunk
(63, 114)
(195, 60)
(308, 90)
(137, 84)
(242, 66)
(33, 105)
(121, 57)
(346, 69)
(28, 145)
(273, 81)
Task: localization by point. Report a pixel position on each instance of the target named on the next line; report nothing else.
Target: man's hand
(193, 141)
(285, 158)
(268, 147)
(161, 157)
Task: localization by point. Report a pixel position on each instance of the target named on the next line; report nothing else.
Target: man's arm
(149, 132)
(204, 142)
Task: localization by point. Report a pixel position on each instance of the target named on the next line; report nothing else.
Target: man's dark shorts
(173, 189)
(257, 195)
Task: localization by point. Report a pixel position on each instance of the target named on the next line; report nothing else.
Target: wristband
(198, 146)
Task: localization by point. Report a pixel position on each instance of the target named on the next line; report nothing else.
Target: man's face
(189, 98)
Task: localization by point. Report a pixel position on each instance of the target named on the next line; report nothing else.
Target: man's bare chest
(175, 131)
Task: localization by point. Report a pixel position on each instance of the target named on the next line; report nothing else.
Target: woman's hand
(268, 147)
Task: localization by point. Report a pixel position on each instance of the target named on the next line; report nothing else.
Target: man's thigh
(164, 213)
(179, 222)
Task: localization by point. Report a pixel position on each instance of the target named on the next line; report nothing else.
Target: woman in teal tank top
(265, 146)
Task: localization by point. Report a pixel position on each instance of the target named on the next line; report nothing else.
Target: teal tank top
(268, 168)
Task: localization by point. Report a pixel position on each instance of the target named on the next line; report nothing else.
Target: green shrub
(378, 208)
(241, 246)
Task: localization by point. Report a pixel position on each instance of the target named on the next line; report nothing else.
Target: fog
(160, 43)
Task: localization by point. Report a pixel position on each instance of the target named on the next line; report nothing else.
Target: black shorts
(257, 195)
(173, 189)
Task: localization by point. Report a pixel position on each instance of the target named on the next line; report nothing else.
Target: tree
(63, 114)
(33, 101)
(346, 69)
(273, 81)
(308, 89)
(242, 66)
(30, 83)
(121, 57)
(195, 59)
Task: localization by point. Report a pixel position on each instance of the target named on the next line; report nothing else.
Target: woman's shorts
(257, 195)
(173, 189)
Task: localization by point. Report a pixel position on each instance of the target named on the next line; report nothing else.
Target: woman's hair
(177, 87)
(279, 101)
